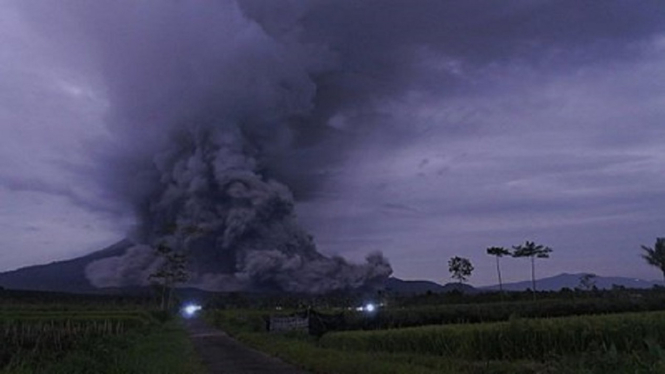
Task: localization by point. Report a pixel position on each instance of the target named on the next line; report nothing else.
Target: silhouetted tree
(587, 282)
(655, 256)
(498, 252)
(171, 271)
(533, 251)
(460, 268)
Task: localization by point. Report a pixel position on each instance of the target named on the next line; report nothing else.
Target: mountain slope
(69, 276)
(416, 287)
(65, 276)
(400, 286)
(572, 281)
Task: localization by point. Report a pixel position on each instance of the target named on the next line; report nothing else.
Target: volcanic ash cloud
(207, 111)
(237, 227)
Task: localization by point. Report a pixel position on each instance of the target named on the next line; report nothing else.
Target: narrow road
(222, 354)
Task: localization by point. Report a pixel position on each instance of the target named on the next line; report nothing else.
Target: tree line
(461, 268)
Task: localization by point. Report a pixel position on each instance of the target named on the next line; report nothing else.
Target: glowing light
(190, 310)
(370, 308)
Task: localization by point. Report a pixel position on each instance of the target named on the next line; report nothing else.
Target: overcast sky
(464, 125)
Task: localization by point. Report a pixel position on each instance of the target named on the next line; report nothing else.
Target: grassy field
(447, 313)
(614, 343)
(80, 339)
(515, 339)
(590, 335)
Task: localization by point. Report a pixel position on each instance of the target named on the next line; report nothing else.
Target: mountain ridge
(60, 276)
(69, 276)
(572, 281)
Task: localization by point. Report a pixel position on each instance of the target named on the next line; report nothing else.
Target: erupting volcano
(237, 227)
(208, 111)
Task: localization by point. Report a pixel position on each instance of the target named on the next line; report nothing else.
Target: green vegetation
(240, 321)
(515, 339)
(615, 344)
(460, 268)
(172, 271)
(309, 355)
(156, 350)
(532, 251)
(419, 315)
(587, 282)
(22, 300)
(498, 252)
(655, 256)
(81, 339)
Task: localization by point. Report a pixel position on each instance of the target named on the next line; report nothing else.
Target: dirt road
(222, 354)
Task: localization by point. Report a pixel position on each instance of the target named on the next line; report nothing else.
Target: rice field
(42, 336)
(515, 339)
(591, 344)
(449, 313)
(81, 339)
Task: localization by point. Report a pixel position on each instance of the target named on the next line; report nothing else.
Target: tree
(533, 251)
(498, 252)
(460, 268)
(171, 271)
(655, 256)
(587, 282)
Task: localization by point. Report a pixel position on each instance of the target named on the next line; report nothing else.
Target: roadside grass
(157, 349)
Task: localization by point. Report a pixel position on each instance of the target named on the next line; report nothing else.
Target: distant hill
(572, 281)
(62, 276)
(399, 286)
(416, 287)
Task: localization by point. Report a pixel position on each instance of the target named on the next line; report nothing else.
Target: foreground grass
(517, 339)
(624, 344)
(159, 349)
(305, 353)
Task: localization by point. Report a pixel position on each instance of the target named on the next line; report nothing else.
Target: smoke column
(206, 112)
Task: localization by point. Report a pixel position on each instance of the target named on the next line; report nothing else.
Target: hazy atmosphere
(396, 133)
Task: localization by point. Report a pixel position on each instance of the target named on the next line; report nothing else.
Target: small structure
(290, 323)
(308, 321)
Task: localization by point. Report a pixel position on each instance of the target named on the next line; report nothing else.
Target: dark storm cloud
(379, 43)
(80, 198)
(339, 58)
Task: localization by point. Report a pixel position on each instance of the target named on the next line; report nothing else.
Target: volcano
(73, 275)
(61, 276)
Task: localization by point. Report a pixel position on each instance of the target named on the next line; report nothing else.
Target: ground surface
(222, 354)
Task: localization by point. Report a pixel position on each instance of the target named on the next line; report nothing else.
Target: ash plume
(207, 112)
(237, 227)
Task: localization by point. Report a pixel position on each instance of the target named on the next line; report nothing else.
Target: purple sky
(425, 129)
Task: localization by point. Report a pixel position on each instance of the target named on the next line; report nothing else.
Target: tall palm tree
(533, 251)
(655, 256)
(498, 252)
